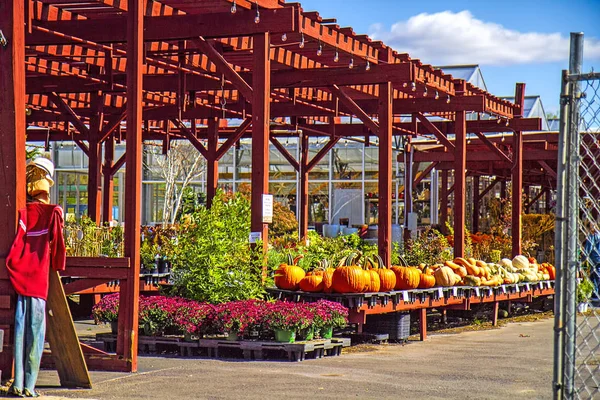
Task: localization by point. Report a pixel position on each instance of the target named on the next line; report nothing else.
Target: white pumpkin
(506, 263)
(520, 262)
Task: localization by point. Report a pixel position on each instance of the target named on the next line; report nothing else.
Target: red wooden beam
(384, 182)
(113, 124)
(356, 110)
(319, 156)
(94, 188)
(460, 166)
(167, 28)
(476, 204)
(493, 147)
(212, 165)
(532, 201)
(517, 177)
(231, 140)
(286, 154)
(224, 67)
(12, 148)
(260, 136)
(108, 189)
(303, 188)
(69, 113)
(547, 168)
(189, 136)
(490, 187)
(435, 131)
(424, 173)
(444, 193)
(128, 319)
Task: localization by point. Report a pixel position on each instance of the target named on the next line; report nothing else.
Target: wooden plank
(96, 272)
(165, 28)
(12, 140)
(108, 262)
(355, 109)
(62, 337)
(302, 168)
(460, 167)
(384, 182)
(5, 302)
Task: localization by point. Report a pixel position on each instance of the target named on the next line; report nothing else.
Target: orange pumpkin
(373, 281)
(312, 283)
(348, 279)
(387, 279)
(407, 277)
(288, 277)
(426, 281)
(551, 270)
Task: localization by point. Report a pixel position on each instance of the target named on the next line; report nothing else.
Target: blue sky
(513, 41)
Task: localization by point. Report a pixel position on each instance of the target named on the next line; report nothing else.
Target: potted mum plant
(238, 318)
(107, 311)
(329, 315)
(285, 319)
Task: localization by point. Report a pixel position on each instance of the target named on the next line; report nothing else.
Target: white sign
(255, 237)
(267, 208)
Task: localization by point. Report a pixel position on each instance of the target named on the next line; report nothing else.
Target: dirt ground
(514, 361)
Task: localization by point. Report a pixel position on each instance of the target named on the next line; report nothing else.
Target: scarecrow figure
(38, 245)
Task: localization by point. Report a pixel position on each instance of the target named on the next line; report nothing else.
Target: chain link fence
(577, 311)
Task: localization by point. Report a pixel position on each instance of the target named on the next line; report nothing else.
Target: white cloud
(460, 38)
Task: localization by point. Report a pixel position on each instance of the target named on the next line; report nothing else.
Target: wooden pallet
(248, 349)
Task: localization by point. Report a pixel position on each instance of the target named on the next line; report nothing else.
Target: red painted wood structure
(101, 71)
(530, 160)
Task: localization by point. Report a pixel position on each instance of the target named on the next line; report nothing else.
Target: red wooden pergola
(528, 160)
(101, 71)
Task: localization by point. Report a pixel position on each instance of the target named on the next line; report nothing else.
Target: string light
(437, 95)
(405, 84)
(320, 49)
(368, 66)
(302, 40)
(507, 122)
(336, 57)
(503, 138)
(257, 18)
(448, 100)
(284, 37)
(499, 121)
(351, 65)
(425, 92)
(233, 7)
(413, 86)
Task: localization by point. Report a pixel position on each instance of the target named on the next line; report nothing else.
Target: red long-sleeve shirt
(39, 244)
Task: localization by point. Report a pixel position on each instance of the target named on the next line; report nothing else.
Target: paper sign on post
(440, 293)
(504, 289)
(267, 208)
(255, 237)
(517, 288)
(477, 291)
(454, 291)
(405, 296)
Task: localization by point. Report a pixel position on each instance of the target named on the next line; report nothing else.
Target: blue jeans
(30, 330)
(595, 278)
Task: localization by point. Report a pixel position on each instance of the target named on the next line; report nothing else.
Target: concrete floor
(514, 362)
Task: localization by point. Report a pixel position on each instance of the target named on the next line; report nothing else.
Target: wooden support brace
(532, 201)
(223, 67)
(68, 111)
(319, 156)
(493, 147)
(490, 187)
(193, 139)
(548, 169)
(424, 173)
(435, 131)
(118, 164)
(286, 154)
(352, 106)
(423, 324)
(231, 140)
(113, 124)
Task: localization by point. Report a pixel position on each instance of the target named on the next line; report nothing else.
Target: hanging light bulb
(351, 65)
(448, 100)
(233, 7)
(413, 86)
(302, 40)
(405, 84)
(503, 138)
(336, 57)
(469, 141)
(368, 66)
(437, 95)
(257, 18)
(425, 93)
(320, 49)
(284, 37)
(507, 122)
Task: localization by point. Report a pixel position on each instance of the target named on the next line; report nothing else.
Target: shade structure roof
(198, 65)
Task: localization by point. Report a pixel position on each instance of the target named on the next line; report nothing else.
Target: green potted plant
(584, 293)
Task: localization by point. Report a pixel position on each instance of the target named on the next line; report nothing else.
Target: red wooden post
(385, 173)
(303, 189)
(107, 175)
(495, 313)
(128, 320)
(460, 167)
(423, 323)
(444, 201)
(212, 172)
(517, 176)
(476, 201)
(94, 188)
(408, 183)
(12, 148)
(261, 97)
